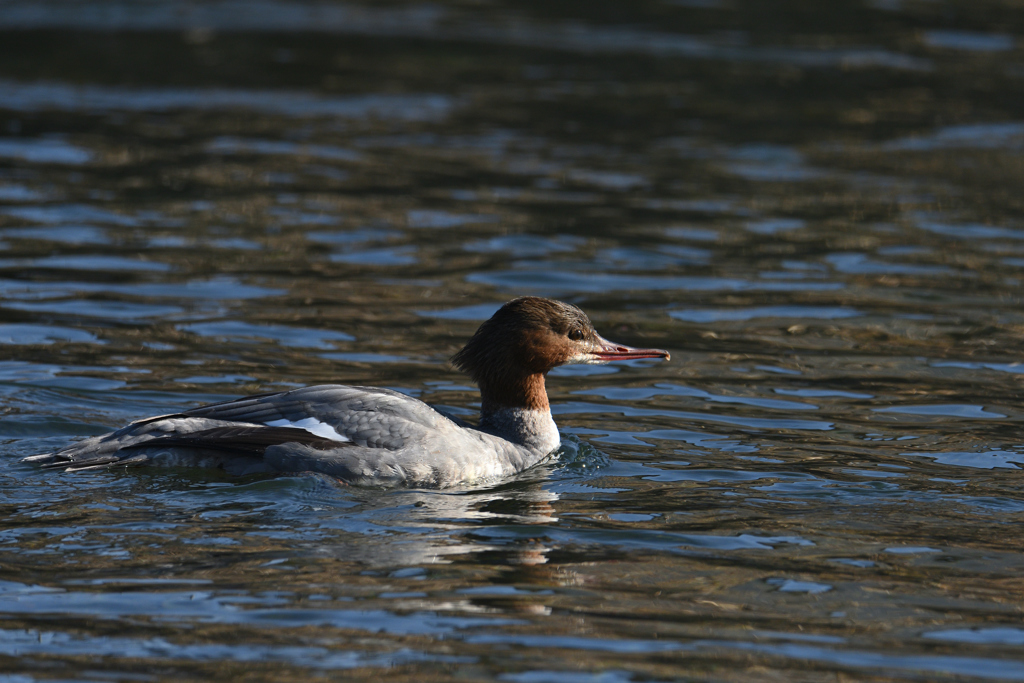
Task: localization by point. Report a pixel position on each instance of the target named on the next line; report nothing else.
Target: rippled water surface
(816, 207)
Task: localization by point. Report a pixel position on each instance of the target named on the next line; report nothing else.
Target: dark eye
(576, 335)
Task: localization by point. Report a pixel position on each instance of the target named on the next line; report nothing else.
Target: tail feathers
(102, 463)
(72, 462)
(92, 452)
(180, 442)
(43, 458)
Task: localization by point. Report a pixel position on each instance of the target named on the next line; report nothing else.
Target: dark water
(816, 207)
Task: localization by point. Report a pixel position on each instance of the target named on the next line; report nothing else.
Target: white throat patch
(531, 428)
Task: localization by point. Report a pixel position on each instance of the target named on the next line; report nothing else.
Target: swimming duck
(367, 436)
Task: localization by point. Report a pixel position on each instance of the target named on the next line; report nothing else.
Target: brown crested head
(529, 336)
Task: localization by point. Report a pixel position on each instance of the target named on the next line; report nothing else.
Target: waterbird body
(379, 437)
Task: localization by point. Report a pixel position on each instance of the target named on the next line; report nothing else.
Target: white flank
(313, 426)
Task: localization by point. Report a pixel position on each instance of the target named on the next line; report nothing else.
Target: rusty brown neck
(526, 392)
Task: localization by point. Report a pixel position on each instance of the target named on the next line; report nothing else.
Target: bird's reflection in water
(418, 527)
(524, 500)
(500, 530)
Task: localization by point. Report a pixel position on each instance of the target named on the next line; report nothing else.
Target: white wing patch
(313, 426)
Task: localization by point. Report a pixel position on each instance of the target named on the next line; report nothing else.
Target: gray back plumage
(393, 439)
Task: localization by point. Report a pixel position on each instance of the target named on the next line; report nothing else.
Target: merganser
(378, 437)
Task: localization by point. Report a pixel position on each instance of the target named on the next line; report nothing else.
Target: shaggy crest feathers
(510, 336)
(511, 353)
